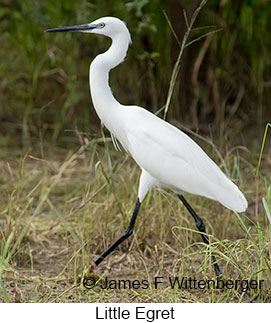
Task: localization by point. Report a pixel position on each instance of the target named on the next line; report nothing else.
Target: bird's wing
(173, 158)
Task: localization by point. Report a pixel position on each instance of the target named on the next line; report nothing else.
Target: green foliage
(44, 77)
(51, 71)
(242, 52)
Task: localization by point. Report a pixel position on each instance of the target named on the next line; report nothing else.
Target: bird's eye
(102, 24)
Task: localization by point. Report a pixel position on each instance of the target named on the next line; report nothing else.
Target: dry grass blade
(177, 65)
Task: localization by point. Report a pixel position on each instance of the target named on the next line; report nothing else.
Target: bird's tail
(232, 198)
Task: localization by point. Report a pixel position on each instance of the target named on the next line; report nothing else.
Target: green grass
(59, 212)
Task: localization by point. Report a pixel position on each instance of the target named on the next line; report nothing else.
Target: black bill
(73, 28)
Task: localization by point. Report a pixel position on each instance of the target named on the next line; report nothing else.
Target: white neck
(102, 97)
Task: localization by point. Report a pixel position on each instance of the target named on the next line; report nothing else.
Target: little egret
(168, 158)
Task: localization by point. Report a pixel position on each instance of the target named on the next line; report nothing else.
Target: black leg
(125, 234)
(201, 228)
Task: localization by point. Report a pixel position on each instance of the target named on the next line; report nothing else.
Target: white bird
(168, 158)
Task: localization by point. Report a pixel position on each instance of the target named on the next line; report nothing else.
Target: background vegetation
(66, 192)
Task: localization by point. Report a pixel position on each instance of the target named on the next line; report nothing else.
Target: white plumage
(169, 157)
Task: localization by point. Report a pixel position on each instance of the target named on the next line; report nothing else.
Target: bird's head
(108, 26)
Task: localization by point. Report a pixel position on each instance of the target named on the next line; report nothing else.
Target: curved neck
(101, 94)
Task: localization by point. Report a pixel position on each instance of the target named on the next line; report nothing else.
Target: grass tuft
(60, 212)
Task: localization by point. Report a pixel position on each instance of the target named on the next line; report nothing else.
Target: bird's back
(175, 160)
